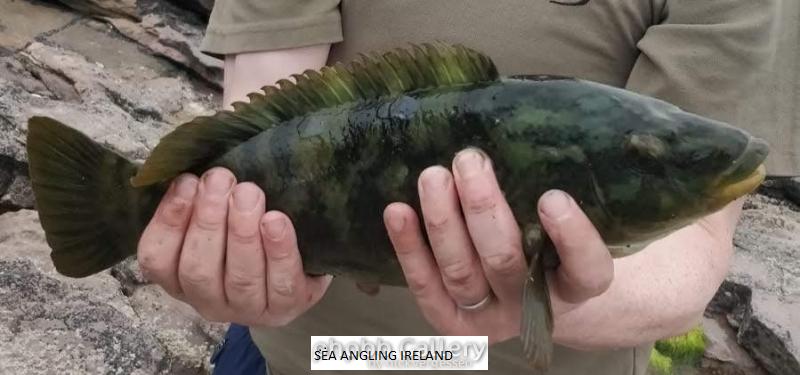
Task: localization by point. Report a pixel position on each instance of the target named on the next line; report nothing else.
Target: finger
(160, 245)
(286, 283)
(491, 224)
(451, 244)
(245, 263)
(203, 255)
(587, 268)
(419, 267)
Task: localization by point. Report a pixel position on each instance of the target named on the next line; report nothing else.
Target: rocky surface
(53, 324)
(85, 73)
(77, 67)
(760, 299)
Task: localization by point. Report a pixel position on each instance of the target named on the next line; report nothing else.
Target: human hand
(479, 253)
(211, 245)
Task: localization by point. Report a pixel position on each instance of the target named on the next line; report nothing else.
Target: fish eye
(646, 145)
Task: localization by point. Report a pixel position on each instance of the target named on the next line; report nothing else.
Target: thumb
(587, 268)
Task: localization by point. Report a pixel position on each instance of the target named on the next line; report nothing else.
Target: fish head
(666, 168)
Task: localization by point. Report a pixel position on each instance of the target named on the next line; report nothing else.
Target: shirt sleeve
(237, 26)
(708, 57)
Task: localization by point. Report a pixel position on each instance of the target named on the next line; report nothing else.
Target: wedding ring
(478, 305)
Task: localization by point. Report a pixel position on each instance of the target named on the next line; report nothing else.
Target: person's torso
(594, 41)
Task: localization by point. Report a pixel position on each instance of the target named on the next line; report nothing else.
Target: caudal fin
(91, 215)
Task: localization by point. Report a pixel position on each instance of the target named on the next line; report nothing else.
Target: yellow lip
(746, 185)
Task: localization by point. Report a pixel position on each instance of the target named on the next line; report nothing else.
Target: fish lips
(745, 173)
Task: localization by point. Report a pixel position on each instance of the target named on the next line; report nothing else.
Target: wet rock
(87, 325)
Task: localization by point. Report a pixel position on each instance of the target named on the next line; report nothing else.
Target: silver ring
(485, 301)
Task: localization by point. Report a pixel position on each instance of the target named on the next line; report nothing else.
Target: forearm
(659, 292)
(248, 72)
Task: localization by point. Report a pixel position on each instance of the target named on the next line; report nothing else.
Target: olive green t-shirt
(700, 55)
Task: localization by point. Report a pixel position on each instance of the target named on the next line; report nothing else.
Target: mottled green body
(334, 171)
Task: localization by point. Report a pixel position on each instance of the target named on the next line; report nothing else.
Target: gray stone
(111, 8)
(761, 297)
(128, 113)
(201, 7)
(164, 29)
(177, 41)
(16, 28)
(53, 324)
(792, 189)
(721, 346)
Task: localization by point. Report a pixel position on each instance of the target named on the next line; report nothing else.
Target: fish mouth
(745, 174)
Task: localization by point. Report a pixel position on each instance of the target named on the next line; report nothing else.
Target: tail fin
(91, 215)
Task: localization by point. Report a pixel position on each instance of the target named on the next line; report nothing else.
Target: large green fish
(334, 147)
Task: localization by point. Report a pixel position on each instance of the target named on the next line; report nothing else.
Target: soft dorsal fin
(198, 142)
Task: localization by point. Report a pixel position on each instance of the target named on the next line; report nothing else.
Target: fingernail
(396, 223)
(186, 186)
(245, 197)
(276, 227)
(469, 162)
(217, 182)
(435, 180)
(555, 204)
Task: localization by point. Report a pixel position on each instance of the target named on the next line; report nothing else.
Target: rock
(201, 7)
(761, 297)
(127, 106)
(721, 346)
(792, 189)
(111, 8)
(87, 325)
(169, 36)
(16, 28)
(164, 29)
(18, 193)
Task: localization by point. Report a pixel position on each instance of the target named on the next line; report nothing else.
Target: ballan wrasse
(333, 147)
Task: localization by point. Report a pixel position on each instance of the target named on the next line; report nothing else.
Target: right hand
(211, 245)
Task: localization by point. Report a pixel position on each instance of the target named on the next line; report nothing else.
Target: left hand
(470, 280)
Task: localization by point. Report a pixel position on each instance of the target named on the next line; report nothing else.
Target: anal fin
(536, 328)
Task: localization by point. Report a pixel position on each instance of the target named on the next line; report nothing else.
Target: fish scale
(335, 147)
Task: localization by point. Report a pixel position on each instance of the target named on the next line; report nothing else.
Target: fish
(333, 147)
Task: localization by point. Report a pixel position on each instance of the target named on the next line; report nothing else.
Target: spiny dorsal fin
(195, 144)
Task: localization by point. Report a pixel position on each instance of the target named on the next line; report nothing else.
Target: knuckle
(241, 283)
(503, 262)
(242, 236)
(459, 274)
(174, 213)
(437, 224)
(209, 221)
(418, 285)
(479, 202)
(283, 286)
(280, 254)
(195, 275)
